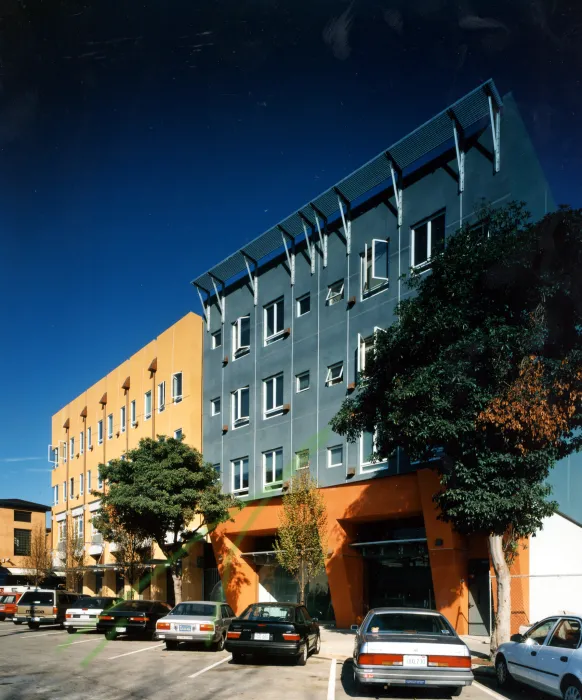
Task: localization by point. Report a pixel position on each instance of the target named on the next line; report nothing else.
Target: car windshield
(408, 623)
(8, 599)
(100, 603)
(37, 598)
(140, 605)
(194, 610)
(273, 613)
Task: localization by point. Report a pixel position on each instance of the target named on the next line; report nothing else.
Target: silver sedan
(411, 647)
(195, 621)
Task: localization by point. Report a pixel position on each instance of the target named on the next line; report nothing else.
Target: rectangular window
(81, 484)
(22, 543)
(215, 406)
(367, 451)
(335, 374)
(241, 336)
(122, 419)
(273, 469)
(178, 434)
(302, 459)
(56, 457)
(375, 262)
(62, 530)
(335, 293)
(72, 449)
(273, 395)
(335, 456)
(56, 495)
(89, 438)
(240, 476)
(132, 414)
(274, 321)
(147, 405)
(177, 394)
(64, 491)
(89, 481)
(240, 407)
(110, 426)
(217, 339)
(64, 451)
(81, 442)
(161, 396)
(304, 304)
(78, 527)
(302, 381)
(216, 468)
(23, 516)
(99, 481)
(365, 350)
(100, 432)
(72, 487)
(427, 239)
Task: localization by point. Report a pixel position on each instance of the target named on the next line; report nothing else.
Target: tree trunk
(502, 620)
(177, 579)
(302, 582)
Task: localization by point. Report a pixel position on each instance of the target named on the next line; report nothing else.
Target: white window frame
(330, 449)
(72, 487)
(276, 409)
(110, 426)
(100, 432)
(81, 484)
(213, 411)
(178, 430)
(65, 447)
(278, 333)
(56, 494)
(330, 379)
(272, 485)
(123, 419)
(237, 471)
(298, 377)
(72, 447)
(335, 292)
(64, 491)
(161, 397)
(146, 415)
(238, 350)
(89, 481)
(78, 527)
(82, 442)
(62, 532)
(215, 335)
(298, 456)
(298, 301)
(370, 466)
(177, 397)
(132, 413)
(89, 437)
(236, 403)
(428, 222)
(376, 282)
(99, 481)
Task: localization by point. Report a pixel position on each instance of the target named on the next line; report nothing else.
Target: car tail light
(105, 617)
(139, 619)
(289, 637)
(68, 616)
(233, 635)
(163, 626)
(380, 659)
(450, 661)
(55, 611)
(205, 627)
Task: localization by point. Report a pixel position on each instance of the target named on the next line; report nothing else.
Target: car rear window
(141, 605)
(8, 599)
(408, 623)
(100, 603)
(194, 610)
(36, 598)
(272, 613)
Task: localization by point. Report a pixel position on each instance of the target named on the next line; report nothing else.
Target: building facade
(289, 319)
(157, 391)
(20, 522)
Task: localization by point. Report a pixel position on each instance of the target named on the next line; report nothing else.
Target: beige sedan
(195, 622)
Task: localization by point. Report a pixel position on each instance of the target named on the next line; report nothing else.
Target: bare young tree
(74, 557)
(39, 562)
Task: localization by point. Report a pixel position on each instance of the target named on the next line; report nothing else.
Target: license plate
(184, 628)
(120, 629)
(84, 617)
(183, 637)
(261, 636)
(414, 661)
(35, 619)
(411, 682)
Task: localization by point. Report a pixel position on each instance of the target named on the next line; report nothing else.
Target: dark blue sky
(142, 142)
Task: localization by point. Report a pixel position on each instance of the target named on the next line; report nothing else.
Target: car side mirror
(517, 638)
(354, 628)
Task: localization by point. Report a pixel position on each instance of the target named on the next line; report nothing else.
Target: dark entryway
(479, 597)
(170, 593)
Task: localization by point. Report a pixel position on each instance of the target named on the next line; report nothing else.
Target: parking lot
(49, 663)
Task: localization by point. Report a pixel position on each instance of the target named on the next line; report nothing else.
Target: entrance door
(479, 601)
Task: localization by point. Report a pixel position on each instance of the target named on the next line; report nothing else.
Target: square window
(161, 396)
(215, 406)
(304, 304)
(427, 239)
(177, 394)
(274, 319)
(302, 459)
(375, 261)
(147, 405)
(335, 456)
(240, 476)
(302, 381)
(335, 293)
(240, 407)
(178, 434)
(217, 339)
(22, 542)
(273, 395)
(241, 336)
(273, 469)
(335, 374)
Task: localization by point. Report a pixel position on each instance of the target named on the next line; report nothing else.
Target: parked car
(8, 606)
(274, 629)
(86, 611)
(44, 607)
(410, 647)
(195, 621)
(547, 657)
(133, 618)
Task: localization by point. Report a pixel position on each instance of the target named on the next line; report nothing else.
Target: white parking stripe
(331, 681)
(42, 634)
(85, 641)
(198, 673)
(137, 651)
(490, 692)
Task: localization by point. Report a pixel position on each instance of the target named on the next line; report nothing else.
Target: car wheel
(317, 647)
(358, 685)
(455, 692)
(572, 690)
(502, 672)
(171, 645)
(18, 623)
(219, 645)
(71, 630)
(236, 657)
(302, 658)
(33, 625)
(111, 635)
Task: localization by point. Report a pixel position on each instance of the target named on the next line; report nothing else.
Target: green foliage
(164, 486)
(501, 292)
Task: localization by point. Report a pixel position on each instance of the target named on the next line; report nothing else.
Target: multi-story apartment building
(20, 522)
(157, 391)
(289, 320)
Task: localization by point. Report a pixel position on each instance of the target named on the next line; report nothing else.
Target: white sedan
(548, 657)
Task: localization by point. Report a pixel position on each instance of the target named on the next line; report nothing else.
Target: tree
(164, 491)
(39, 562)
(301, 536)
(482, 371)
(74, 556)
(132, 551)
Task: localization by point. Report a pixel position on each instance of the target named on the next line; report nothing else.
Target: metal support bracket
(310, 247)
(289, 251)
(347, 224)
(253, 276)
(460, 149)
(322, 236)
(205, 310)
(397, 185)
(219, 299)
(495, 117)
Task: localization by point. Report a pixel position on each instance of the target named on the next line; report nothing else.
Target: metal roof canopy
(427, 138)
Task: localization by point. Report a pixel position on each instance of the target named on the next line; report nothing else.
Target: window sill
(240, 424)
(273, 412)
(300, 391)
(303, 314)
(273, 488)
(274, 338)
(334, 300)
(147, 417)
(334, 383)
(241, 353)
(161, 409)
(366, 294)
(372, 467)
(177, 399)
(240, 494)
(333, 466)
